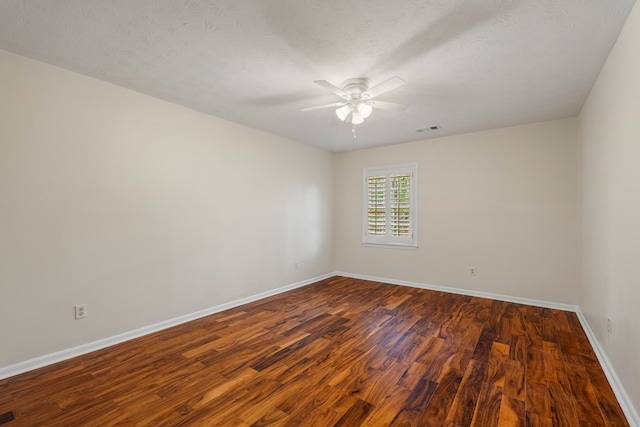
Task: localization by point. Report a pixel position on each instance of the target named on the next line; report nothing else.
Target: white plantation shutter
(390, 216)
(400, 205)
(376, 205)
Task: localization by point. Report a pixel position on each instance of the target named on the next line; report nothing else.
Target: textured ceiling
(469, 65)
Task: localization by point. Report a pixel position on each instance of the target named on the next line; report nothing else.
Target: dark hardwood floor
(341, 352)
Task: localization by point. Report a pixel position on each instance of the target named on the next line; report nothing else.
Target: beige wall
(141, 209)
(503, 201)
(610, 137)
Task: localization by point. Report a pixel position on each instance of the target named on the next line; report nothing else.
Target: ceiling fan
(357, 98)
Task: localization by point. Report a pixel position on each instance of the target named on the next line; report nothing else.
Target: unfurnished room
(319, 213)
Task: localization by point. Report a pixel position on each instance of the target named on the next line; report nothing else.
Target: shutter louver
(400, 215)
(376, 205)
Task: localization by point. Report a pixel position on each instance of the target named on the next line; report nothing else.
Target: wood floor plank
(497, 366)
(356, 414)
(387, 409)
(338, 352)
(586, 401)
(415, 404)
(438, 407)
(412, 375)
(512, 412)
(487, 413)
(514, 381)
(385, 384)
(466, 399)
(323, 409)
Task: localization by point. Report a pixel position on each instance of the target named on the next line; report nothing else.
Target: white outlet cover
(80, 311)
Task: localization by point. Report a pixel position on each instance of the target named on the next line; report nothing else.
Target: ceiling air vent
(427, 129)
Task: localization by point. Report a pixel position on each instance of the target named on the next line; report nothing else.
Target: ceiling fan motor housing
(355, 87)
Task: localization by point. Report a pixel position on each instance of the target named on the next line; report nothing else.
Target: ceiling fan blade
(385, 86)
(384, 105)
(335, 104)
(331, 88)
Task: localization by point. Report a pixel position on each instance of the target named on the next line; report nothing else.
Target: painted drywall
(141, 209)
(610, 146)
(503, 201)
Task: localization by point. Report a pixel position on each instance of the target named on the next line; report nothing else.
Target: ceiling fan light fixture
(343, 112)
(357, 117)
(364, 109)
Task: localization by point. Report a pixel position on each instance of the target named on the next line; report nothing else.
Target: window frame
(387, 240)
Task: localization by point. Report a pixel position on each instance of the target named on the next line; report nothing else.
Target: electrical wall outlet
(609, 325)
(472, 271)
(297, 265)
(81, 311)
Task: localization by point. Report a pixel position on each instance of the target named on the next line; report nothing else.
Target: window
(390, 208)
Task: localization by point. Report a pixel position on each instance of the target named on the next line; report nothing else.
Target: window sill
(391, 246)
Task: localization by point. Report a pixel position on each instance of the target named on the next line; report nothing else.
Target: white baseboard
(59, 356)
(517, 300)
(614, 381)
